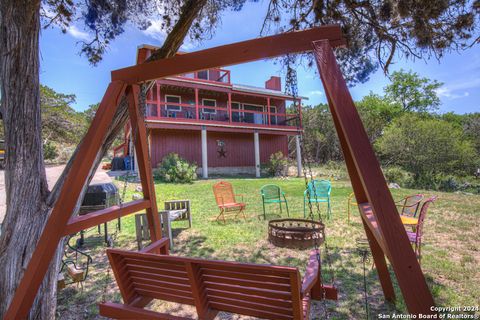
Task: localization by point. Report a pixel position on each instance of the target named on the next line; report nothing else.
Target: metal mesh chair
(415, 237)
(226, 200)
(272, 193)
(409, 205)
(317, 191)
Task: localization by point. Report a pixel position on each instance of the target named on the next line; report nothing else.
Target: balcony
(208, 76)
(202, 114)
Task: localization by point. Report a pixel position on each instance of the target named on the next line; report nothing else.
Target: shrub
(427, 147)
(173, 168)
(447, 183)
(335, 170)
(397, 175)
(276, 165)
(49, 151)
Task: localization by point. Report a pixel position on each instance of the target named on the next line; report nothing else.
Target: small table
(409, 221)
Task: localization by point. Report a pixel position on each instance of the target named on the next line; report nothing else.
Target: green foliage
(471, 128)
(321, 140)
(277, 163)
(60, 122)
(50, 152)
(173, 168)
(413, 92)
(376, 113)
(90, 112)
(395, 174)
(426, 147)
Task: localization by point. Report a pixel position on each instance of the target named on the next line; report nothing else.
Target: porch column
(256, 142)
(159, 106)
(204, 153)
(299, 155)
(196, 104)
(229, 106)
(268, 110)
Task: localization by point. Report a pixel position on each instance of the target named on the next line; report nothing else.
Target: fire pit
(295, 233)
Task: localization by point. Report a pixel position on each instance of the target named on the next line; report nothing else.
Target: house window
(173, 99)
(251, 117)
(209, 103)
(273, 117)
(236, 116)
(202, 74)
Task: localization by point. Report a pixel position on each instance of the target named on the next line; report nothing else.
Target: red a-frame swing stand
(380, 218)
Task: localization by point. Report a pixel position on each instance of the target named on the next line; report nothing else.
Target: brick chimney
(274, 83)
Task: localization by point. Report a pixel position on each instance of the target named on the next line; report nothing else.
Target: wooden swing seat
(264, 291)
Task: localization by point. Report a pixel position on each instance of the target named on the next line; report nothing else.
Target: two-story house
(221, 126)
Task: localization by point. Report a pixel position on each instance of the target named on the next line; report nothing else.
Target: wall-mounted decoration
(221, 150)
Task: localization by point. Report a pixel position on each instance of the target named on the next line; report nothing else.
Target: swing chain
(134, 135)
(292, 89)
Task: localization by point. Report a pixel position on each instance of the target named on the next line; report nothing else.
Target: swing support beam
(387, 239)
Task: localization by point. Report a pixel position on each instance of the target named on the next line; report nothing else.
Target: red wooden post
(268, 110)
(63, 209)
(235, 53)
(229, 106)
(360, 196)
(159, 100)
(372, 189)
(139, 133)
(196, 103)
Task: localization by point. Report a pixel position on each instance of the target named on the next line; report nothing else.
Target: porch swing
(266, 291)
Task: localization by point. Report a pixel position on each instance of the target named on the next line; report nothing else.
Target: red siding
(270, 144)
(184, 142)
(239, 147)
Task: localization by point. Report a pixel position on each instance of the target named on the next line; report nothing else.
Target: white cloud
(456, 90)
(77, 33)
(156, 32)
(315, 93)
(446, 92)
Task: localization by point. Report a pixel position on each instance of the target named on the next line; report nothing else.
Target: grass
(451, 249)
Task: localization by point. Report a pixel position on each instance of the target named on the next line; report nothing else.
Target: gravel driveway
(53, 173)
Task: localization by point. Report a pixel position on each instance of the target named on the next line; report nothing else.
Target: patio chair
(317, 191)
(415, 237)
(273, 194)
(408, 206)
(226, 200)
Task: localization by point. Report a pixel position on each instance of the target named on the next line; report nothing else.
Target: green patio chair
(273, 194)
(319, 192)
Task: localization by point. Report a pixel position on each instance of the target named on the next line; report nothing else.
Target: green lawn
(451, 250)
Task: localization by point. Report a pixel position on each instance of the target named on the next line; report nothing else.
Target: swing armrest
(158, 247)
(311, 273)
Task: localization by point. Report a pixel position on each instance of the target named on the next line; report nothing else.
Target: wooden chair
(273, 194)
(317, 191)
(226, 200)
(415, 237)
(263, 291)
(175, 210)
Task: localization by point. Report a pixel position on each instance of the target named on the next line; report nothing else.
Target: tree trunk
(29, 202)
(25, 180)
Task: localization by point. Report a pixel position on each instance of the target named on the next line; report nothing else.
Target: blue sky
(65, 71)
